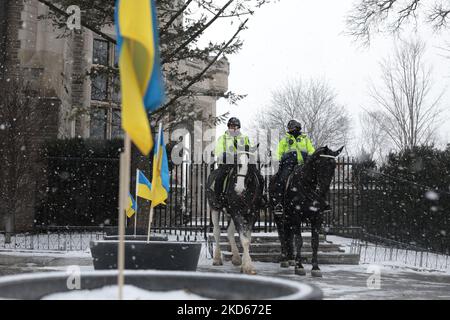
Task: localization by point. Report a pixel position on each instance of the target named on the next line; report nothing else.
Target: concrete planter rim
(303, 291)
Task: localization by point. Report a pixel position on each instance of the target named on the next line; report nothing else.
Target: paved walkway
(338, 282)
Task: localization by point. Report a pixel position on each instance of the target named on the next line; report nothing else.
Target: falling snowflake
(431, 195)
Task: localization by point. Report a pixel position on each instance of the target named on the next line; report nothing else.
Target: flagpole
(136, 199)
(150, 223)
(125, 160)
(150, 219)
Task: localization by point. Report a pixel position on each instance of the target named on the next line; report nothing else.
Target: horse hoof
(249, 272)
(292, 263)
(217, 263)
(300, 272)
(284, 264)
(316, 273)
(236, 262)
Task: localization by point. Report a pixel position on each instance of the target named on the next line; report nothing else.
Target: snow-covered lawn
(52, 241)
(397, 258)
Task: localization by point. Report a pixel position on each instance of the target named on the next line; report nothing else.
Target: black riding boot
(220, 180)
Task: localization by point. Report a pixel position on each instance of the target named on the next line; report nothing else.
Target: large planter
(153, 237)
(207, 285)
(140, 255)
(114, 231)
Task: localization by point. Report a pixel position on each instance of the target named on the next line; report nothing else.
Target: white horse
(242, 203)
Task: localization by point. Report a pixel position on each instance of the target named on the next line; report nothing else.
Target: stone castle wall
(56, 67)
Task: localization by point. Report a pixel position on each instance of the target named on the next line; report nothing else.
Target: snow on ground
(350, 282)
(399, 279)
(392, 257)
(61, 241)
(53, 254)
(129, 293)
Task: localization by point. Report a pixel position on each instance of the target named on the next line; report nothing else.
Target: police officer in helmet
(226, 148)
(292, 150)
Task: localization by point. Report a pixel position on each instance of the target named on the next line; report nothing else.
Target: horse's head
(246, 156)
(246, 161)
(322, 165)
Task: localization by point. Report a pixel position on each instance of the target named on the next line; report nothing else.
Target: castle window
(116, 130)
(105, 93)
(99, 119)
(99, 87)
(101, 52)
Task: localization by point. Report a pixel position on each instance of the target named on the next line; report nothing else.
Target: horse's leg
(289, 230)
(299, 269)
(247, 264)
(279, 221)
(236, 259)
(217, 260)
(315, 227)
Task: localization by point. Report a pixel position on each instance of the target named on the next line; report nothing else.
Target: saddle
(212, 187)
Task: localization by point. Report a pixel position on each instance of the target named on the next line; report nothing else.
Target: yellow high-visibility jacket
(227, 143)
(290, 144)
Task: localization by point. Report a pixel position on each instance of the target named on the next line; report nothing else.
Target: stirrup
(278, 210)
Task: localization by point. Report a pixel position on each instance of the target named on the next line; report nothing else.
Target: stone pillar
(11, 43)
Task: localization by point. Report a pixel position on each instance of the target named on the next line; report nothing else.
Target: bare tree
(314, 104)
(372, 16)
(373, 143)
(20, 122)
(408, 114)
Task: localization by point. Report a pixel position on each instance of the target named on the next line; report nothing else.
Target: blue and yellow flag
(140, 68)
(144, 187)
(131, 209)
(160, 182)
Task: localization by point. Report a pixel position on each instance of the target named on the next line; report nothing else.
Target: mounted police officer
(226, 150)
(292, 150)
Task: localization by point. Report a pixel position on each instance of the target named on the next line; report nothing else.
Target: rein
(327, 156)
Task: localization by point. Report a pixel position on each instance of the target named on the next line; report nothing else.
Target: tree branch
(195, 35)
(174, 17)
(199, 75)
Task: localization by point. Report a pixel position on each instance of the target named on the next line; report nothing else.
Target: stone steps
(275, 247)
(266, 248)
(262, 238)
(324, 257)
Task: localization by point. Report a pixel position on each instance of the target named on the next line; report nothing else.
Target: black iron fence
(84, 192)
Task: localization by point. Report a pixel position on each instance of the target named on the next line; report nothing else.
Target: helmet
(294, 125)
(234, 122)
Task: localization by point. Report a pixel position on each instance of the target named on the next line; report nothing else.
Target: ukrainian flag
(144, 187)
(160, 183)
(140, 69)
(131, 210)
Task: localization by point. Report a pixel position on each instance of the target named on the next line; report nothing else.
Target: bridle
(327, 156)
